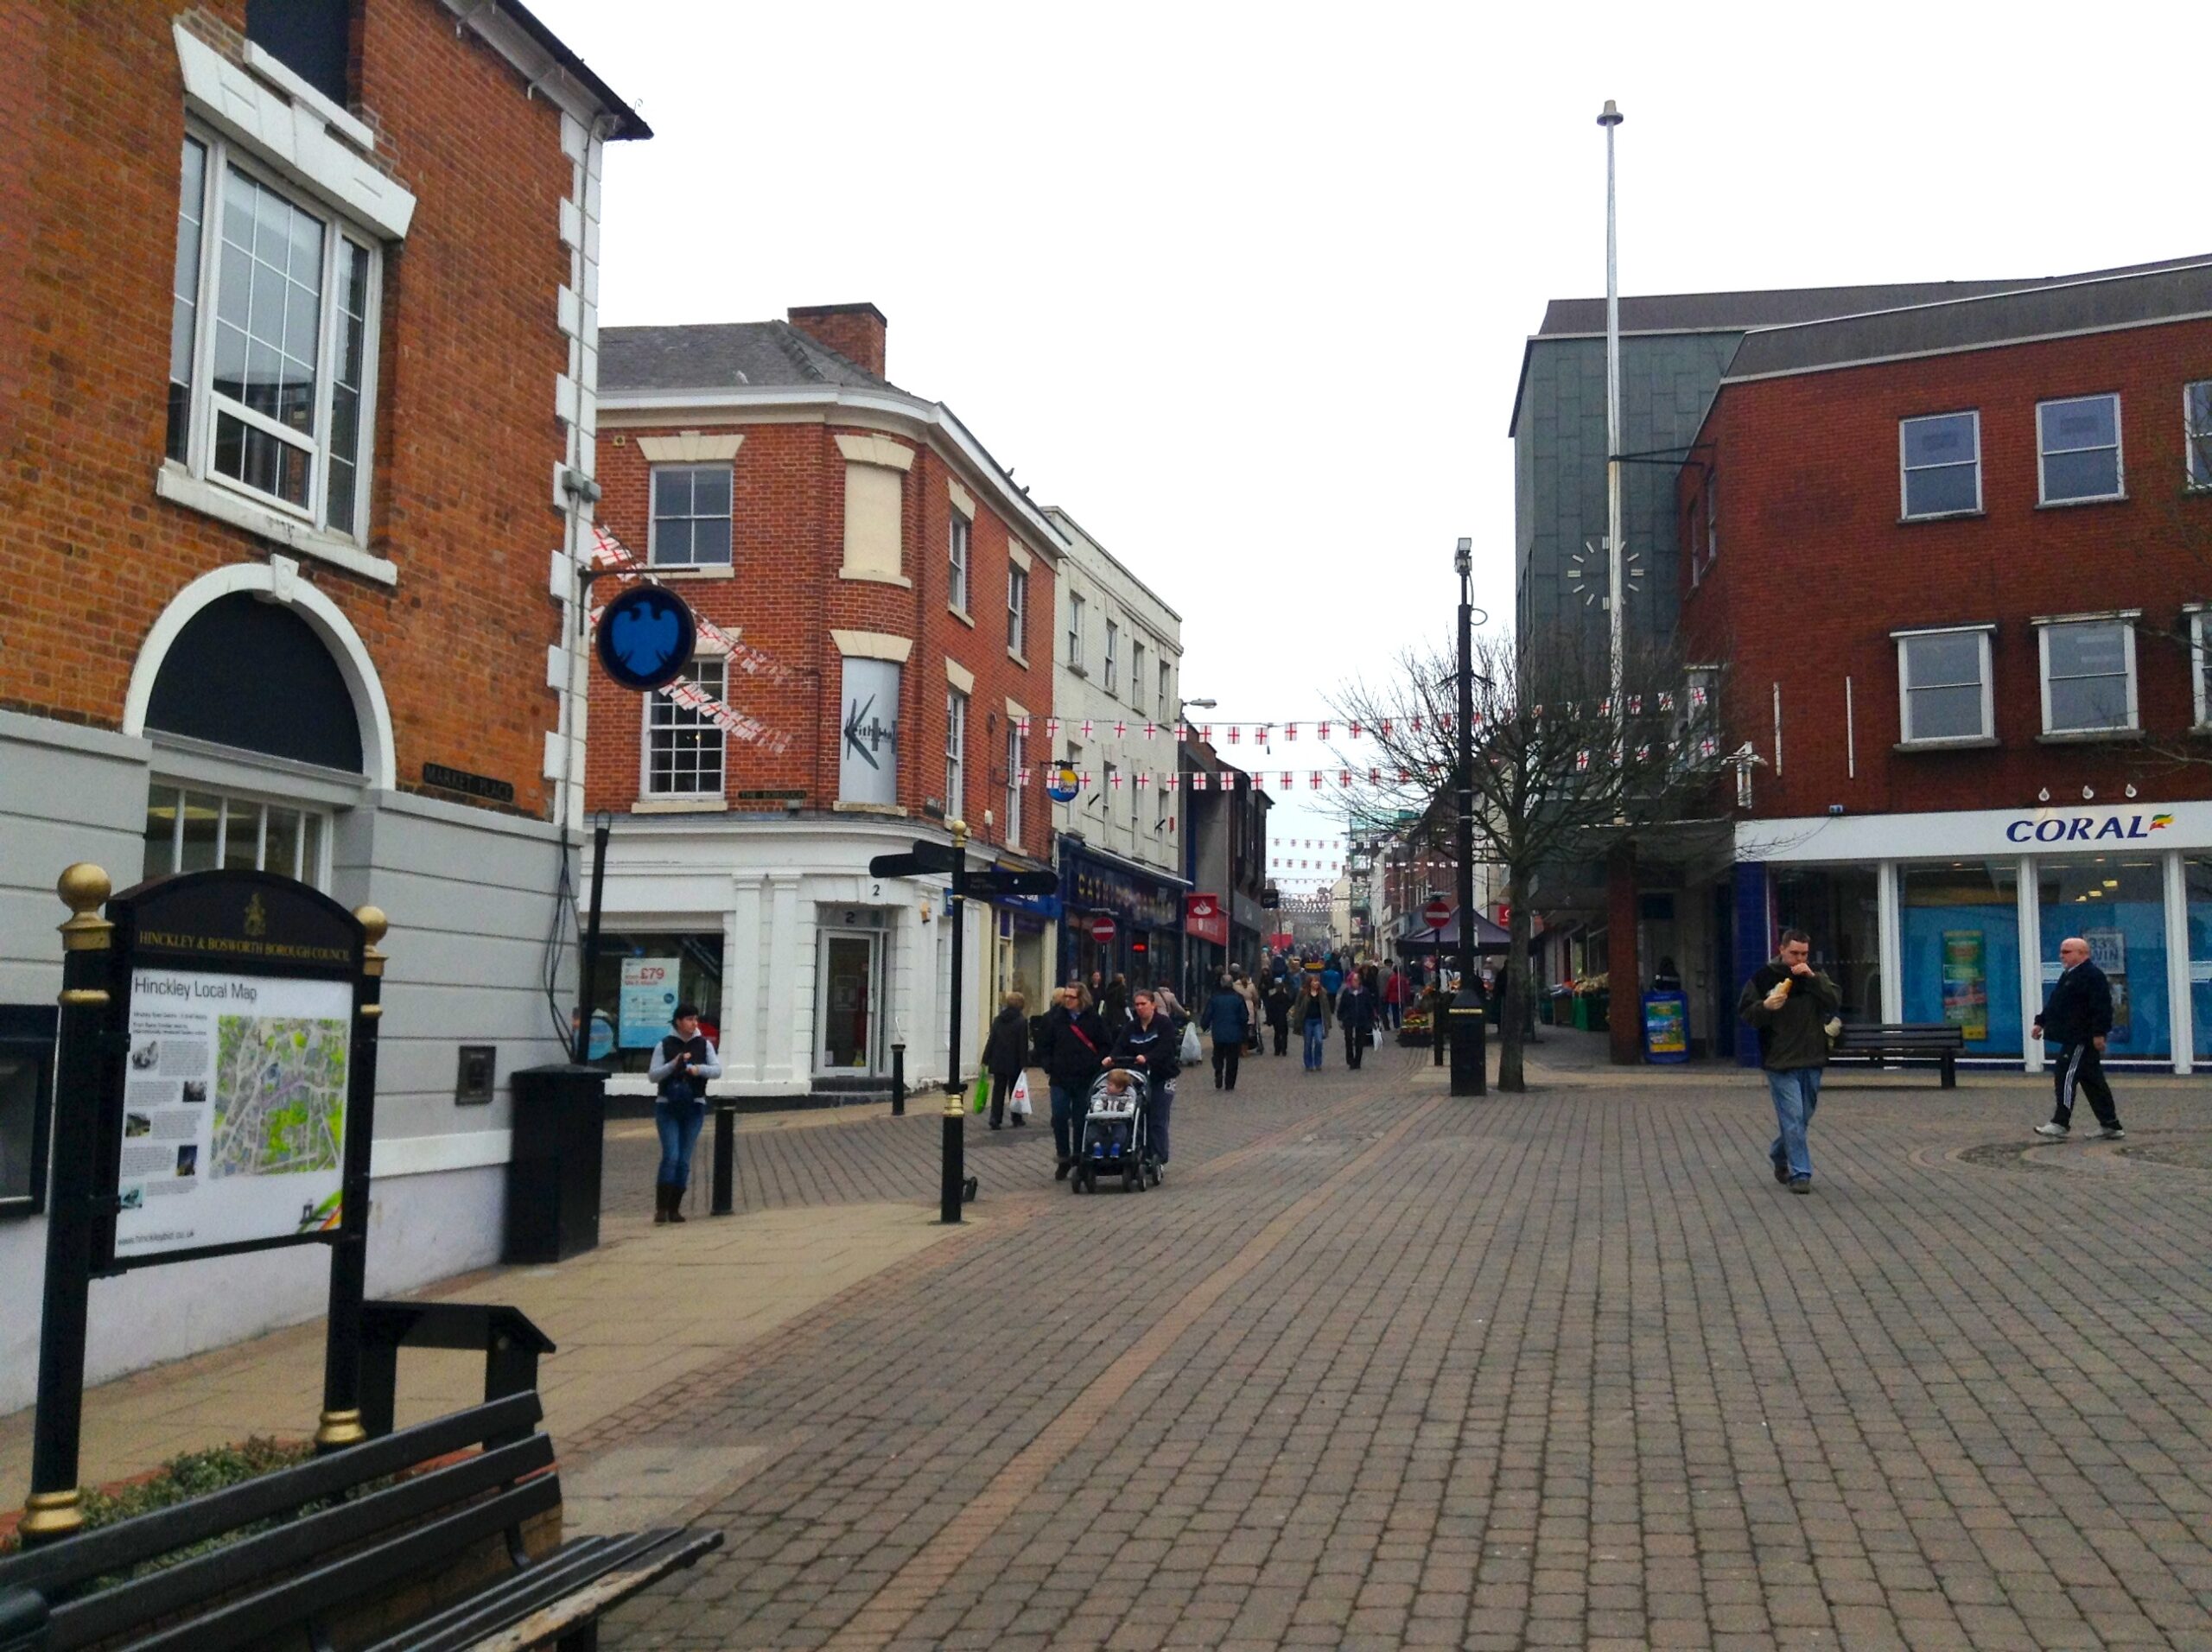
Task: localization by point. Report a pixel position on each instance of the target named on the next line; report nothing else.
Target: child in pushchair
(1113, 1134)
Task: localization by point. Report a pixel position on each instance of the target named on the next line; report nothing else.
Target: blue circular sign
(1064, 785)
(646, 638)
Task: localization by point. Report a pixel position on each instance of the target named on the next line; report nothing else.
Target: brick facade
(784, 595)
(1815, 569)
(466, 438)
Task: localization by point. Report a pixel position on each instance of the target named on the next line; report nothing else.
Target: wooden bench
(1880, 1041)
(334, 1541)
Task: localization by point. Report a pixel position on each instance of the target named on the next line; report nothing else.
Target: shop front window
(2117, 903)
(1959, 951)
(1839, 907)
(2196, 882)
(639, 980)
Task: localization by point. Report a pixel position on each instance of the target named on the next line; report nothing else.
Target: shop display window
(1839, 907)
(2117, 903)
(639, 979)
(2196, 881)
(1959, 951)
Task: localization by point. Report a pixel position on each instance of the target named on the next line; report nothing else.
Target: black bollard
(897, 1081)
(725, 1158)
(954, 1169)
(1436, 1028)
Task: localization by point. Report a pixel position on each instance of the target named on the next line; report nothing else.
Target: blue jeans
(678, 1124)
(1155, 1123)
(1069, 1104)
(1796, 1093)
(1317, 1040)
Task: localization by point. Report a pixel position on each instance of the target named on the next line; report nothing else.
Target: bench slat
(257, 1616)
(252, 1560)
(566, 1581)
(63, 1566)
(595, 1595)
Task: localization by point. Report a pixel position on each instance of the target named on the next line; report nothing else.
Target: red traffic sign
(1436, 914)
(1102, 928)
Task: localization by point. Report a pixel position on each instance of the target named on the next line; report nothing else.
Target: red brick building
(1950, 564)
(881, 600)
(295, 312)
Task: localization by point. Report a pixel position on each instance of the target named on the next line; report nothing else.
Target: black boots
(668, 1203)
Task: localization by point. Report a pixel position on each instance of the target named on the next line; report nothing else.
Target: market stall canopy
(1414, 936)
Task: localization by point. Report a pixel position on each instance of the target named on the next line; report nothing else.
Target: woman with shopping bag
(1006, 1053)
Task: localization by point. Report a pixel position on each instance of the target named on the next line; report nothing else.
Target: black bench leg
(584, 1638)
(379, 1387)
(1950, 1071)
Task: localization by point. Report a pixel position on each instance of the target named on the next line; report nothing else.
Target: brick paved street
(1379, 1368)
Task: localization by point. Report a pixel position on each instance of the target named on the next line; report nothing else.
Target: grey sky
(1245, 288)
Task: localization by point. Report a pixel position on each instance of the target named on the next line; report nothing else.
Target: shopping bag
(1019, 1105)
(1190, 1052)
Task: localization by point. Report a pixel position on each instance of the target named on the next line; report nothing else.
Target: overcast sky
(1245, 288)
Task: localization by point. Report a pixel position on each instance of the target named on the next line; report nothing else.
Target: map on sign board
(235, 1116)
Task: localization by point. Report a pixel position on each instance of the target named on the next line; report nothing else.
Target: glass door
(845, 1004)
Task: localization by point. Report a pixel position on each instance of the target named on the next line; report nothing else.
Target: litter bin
(559, 1127)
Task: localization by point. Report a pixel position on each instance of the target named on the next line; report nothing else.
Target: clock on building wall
(1587, 573)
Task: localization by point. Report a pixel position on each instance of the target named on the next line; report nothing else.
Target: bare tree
(1562, 772)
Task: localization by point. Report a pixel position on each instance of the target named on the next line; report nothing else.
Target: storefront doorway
(847, 1003)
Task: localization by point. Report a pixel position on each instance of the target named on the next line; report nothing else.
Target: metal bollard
(1436, 1027)
(725, 1158)
(955, 1167)
(897, 1081)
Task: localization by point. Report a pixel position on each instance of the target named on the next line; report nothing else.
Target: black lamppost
(1468, 1074)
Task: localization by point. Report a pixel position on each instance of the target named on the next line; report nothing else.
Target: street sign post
(1102, 928)
(1436, 914)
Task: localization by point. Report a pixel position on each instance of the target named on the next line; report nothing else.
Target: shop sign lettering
(2084, 828)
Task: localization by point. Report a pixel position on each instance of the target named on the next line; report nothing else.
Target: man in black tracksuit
(2075, 1018)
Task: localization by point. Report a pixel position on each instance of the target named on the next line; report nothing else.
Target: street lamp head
(1610, 115)
(1202, 705)
(1462, 559)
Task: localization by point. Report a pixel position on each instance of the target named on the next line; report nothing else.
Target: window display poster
(647, 1009)
(2108, 952)
(234, 1101)
(1965, 983)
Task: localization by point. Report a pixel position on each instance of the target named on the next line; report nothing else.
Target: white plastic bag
(1018, 1104)
(1189, 1054)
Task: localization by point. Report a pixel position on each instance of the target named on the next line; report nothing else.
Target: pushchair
(1113, 1142)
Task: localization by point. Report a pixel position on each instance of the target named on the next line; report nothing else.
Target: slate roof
(1793, 306)
(721, 355)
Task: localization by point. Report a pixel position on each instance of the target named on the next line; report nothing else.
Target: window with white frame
(963, 533)
(1166, 698)
(1943, 681)
(1941, 459)
(1136, 672)
(2088, 675)
(684, 747)
(955, 753)
(1712, 519)
(1015, 759)
(1113, 653)
(1075, 632)
(2200, 666)
(1017, 610)
(690, 521)
(2196, 430)
(272, 342)
(194, 828)
(1108, 793)
(2077, 449)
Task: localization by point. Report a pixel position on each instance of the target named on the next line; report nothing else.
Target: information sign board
(648, 1002)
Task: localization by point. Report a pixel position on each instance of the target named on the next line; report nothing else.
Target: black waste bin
(560, 1128)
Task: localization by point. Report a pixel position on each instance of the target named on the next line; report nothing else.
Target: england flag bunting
(1086, 728)
(1114, 779)
(1290, 731)
(1150, 730)
(1197, 783)
(1121, 731)
(1022, 727)
(1051, 729)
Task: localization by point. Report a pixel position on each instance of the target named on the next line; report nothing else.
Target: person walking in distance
(1277, 1004)
(1074, 1046)
(1394, 997)
(1314, 1019)
(1006, 1052)
(2076, 1020)
(1228, 1019)
(1356, 1014)
(684, 1061)
(1789, 1003)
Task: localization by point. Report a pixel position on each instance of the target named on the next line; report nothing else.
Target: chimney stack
(853, 331)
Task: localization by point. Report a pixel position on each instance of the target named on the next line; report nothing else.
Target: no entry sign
(1102, 927)
(1436, 914)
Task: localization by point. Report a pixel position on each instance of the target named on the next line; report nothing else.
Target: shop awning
(1413, 936)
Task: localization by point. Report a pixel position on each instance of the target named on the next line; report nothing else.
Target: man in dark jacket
(1356, 1014)
(1074, 1049)
(1006, 1052)
(1228, 1017)
(2075, 1018)
(1789, 1003)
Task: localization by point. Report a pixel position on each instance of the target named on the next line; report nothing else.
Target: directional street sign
(1004, 880)
(985, 883)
